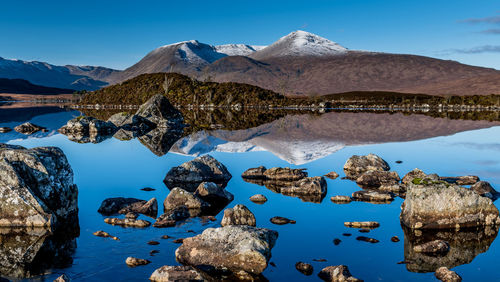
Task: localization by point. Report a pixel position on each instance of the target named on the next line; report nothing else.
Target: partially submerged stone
(28, 128)
(128, 222)
(332, 175)
(306, 186)
(416, 173)
(5, 129)
(171, 217)
(254, 173)
(104, 234)
(372, 196)
(239, 215)
(180, 197)
(279, 220)
(485, 189)
(304, 268)
(375, 178)
(341, 199)
(238, 248)
(461, 180)
(112, 206)
(213, 194)
(367, 239)
(133, 262)
(258, 199)
(357, 165)
(160, 112)
(169, 273)
(149, 208)
(446, 275)
(362, 224)
(337, 273)
(285, 174)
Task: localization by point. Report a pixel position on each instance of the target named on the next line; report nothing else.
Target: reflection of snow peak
(293, 151)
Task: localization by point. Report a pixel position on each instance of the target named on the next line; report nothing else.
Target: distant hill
(21, 86)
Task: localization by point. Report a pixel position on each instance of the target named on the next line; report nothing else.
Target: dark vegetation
(21, 86)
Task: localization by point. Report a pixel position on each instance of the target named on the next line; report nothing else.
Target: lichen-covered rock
(258, 198)
(133, 262)
(357, 165)
(149, 208)
(485, 189)
(180, 197)
(172, 216)
(36, 188)
(28, 128)
(372, 196)
(376, 178)
(337, 273)
(159, 111)
(239, 215)
(128, 222)
(190, 174)
(446, 275)
(169, 273)
(416, 173)
(285, 174)
(254, 173)
(238, 248)
(439, 205)
(432, 247)
(112, 206)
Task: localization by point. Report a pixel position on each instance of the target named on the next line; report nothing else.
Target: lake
(317, 142)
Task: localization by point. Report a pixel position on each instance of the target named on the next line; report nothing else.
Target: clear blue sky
(119, 33)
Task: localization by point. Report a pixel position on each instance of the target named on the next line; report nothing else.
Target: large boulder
(237, 248)
(357, 165)
(159, 111)
(36, 188)
(190, 174)
(440, 205)
(85, 125)
(308, 186)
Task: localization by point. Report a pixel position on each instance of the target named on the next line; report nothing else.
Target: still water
(319, 143)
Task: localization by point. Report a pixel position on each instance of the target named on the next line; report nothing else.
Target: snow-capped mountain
(238, 49)
(300, 43)
(69, 77)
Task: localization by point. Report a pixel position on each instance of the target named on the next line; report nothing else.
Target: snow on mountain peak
(237, 49)
(306, 43)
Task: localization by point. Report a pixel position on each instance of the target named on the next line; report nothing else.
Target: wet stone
(153, 243)
(148, 189)
(362, 224)
(346, 234)
(395, 239)
(336, 274)
(62, 278)
(178, 241)
(319, 260)
(332, 175)
(341, 199)
(128, 222)
(279, 220)
(258, 199)
(105, 235)
(367, 239)
(238, 215)
(446, 275)
(432, 247)
(364, 230)
(133, 262)
(176, 273)
(304, 268)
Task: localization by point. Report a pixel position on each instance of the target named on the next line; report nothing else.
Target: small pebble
(346, 234)
(148, 189)
(304, 268)
(395, 239)
(153, 252)
(367, 239)
(190, 231)
(319, 260)
(166, 237)
(153, 243)
(336, 241)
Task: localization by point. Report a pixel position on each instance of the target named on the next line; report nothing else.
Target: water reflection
(465, 245)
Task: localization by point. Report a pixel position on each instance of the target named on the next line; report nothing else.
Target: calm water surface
(116, 168)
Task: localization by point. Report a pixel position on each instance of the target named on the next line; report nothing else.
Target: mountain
(69, 77)
(305, 64)
(21, 86)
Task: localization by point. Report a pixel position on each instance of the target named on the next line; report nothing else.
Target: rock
(372, 196)
(376, 178)
(279, 220)
(336, 241)
(128, 222)
(213, 194)
(399, 162)
(367, 239)
(87, 126)
(306, 186)
(332, 175)
(341, 199)
(149, 208)
(346, 234)
(319, 260)
(239, 215)
(171, 217)
(131, 215)
(166, 237)
(238, 248)
(357, 165)
(36, 188)
(258, 199)
(304, 268)
(254, 173)
(62, 278)
(180, 197)
(433, 247)
(178, 241)
(285, 174)
(169, 273)
(153, 243)
(337, 273)
(461, 180)
(395, 239)
(133, 262)
(28, 128)
(147, 189)
(105, 235)
(416, 173)
(485, 189)
(136, 125)
(364, 230)
(190, 174)
(159, 111)
(442, 205)
(112, 206)
(5, 129)
(153, 252)
(446, 275)
(362, 224)
(161, 139)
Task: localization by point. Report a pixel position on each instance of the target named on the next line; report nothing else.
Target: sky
(117, 34)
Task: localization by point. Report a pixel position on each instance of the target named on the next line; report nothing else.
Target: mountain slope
(70, 77)
(21, 86)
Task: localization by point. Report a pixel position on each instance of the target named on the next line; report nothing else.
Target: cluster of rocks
(157, 124)
(288, 181)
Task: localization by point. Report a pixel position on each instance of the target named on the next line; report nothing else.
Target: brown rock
(367, 239)
(357, 165)
(239, 215)
(258, 199)
(395, 239)
(332, 175)
(461, 180)
(337, 273)
(5, 129)
(128, 222)
(171, 217)
(28, 128)
(485, 189)
(446, 275)
(279, 220)
(306, 186)
(416, 173)
(372, 196)
(153, 243)
(362, 224)
(254, 173)
(105, 235)
(180, 197)
(169, 273)
(304, 268)
(432, 247)
(285, 174)
(62, 278)
(376, 178)
(149, 208)
(341, 199)
(133, 262)
(112, 206)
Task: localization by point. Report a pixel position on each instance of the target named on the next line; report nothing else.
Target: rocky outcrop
(112, 206)
(169, 273)
(416, 173)
(237, 248)
(239, 215)
(446, 275)
(190, 174)
(160, 112)
(440, 205)
(337, 273)
(28, 128)
(36, 188)
(485, 189)
(357, 165)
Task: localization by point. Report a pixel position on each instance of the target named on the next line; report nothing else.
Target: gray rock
(28, 128)
(440, 205)
(416, 173)
(238, 248)
(180, 197)
(112, 206)
(190, 174)
(36, 188)
(161, 139)
(255, 173)
(485, 189)
(87, 126)
(149, 208)
(306, 186)
(285, 174)
(133, 262)
(304, 268)
(258, 198)
(159, 111)
(375, 178)
(341, 199)
(239, 215)
(362, 224)
(372, 196)
(213, 194)
(169, 273)
(461, 180)
(171, 217)
(357, 165)
(337, 273)
(446, 275)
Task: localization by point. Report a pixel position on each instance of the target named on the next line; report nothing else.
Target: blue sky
(119, 33)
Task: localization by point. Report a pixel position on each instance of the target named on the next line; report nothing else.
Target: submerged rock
(461, 180)
(105, 235)
(440, 205)
(485, 189)
(133, 262)
(149, 208)
(128, 222)
(112, 206)
(337, 273)
(362, 224)
(258, 199)
(238, 248)
(341, 199)
(28, 128)
(239, 215)
(332, 175)
(446, 275)
(254, 173)
(169, 273)
(304, 268)
(284, 174)
(357, 165)
(36, 188)
(190, 174)
(279, 220)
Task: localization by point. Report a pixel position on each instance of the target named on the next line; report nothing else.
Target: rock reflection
(465, 245)
(25, 253)
(280, 188)
(160, 140)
